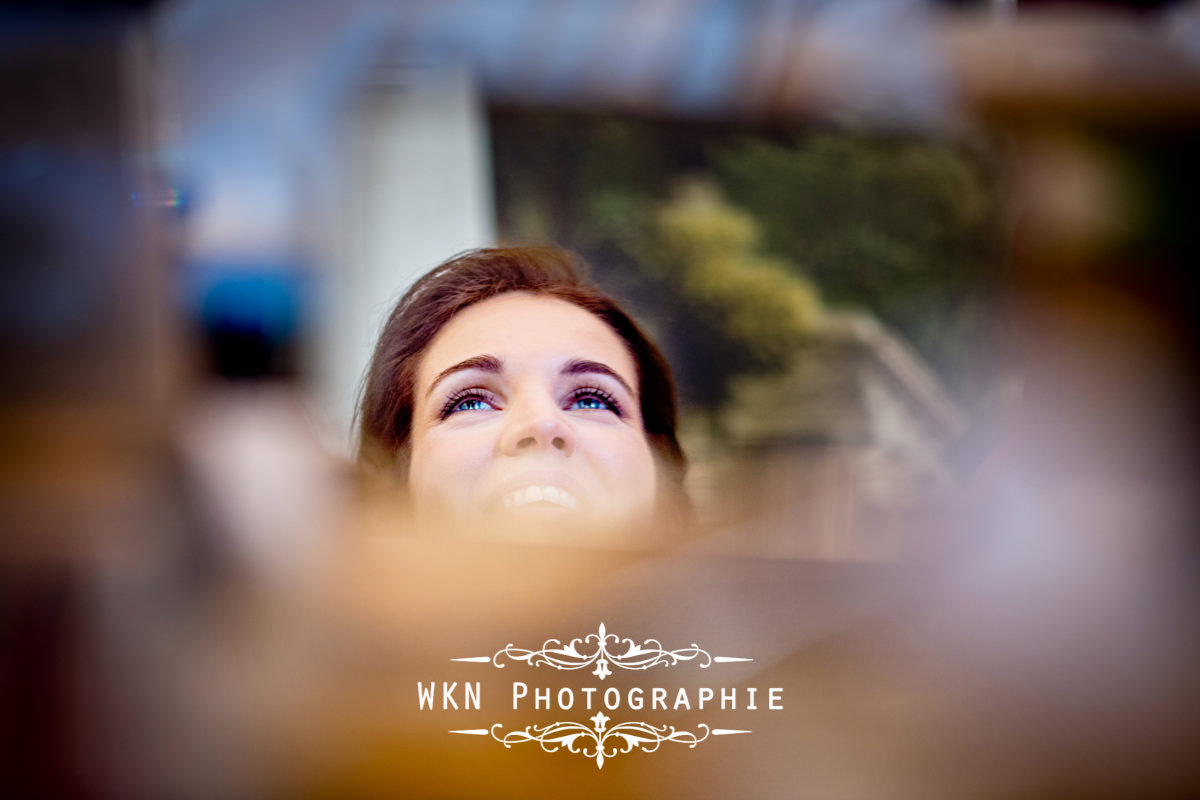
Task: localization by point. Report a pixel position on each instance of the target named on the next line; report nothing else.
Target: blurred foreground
(197, 599)
(1048, 648)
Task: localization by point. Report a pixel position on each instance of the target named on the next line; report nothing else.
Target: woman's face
(527, 406)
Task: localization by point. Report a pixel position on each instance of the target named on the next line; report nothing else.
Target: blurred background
(924, 271)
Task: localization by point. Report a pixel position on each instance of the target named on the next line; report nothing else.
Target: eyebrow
(580, 366)
(491, 364)
(483, 363)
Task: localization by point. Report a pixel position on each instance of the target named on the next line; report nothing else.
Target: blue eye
(471, 404)
(591, 402)
(470, 400)
(594, 399)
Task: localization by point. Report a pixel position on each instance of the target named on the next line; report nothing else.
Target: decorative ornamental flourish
(597, 741)
(602, 649)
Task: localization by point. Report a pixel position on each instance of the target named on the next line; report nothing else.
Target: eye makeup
(457, 398)
(587, 395)
(480, 395)
(595, 392)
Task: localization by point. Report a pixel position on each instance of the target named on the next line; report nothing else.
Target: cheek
(445, 467)
(628, 467)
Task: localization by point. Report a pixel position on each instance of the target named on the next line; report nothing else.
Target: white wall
(417, 189)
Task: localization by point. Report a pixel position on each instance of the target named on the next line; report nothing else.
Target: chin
(545, 525)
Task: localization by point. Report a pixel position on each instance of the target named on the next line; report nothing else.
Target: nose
(535, 429)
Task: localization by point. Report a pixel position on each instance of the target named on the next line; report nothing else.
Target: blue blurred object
(252, 313)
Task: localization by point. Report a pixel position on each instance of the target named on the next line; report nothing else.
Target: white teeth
(540, 494)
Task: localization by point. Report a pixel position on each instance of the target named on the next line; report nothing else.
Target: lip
(494, 498)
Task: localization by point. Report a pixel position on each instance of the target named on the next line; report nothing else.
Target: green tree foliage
(733, 310)
(906, 228)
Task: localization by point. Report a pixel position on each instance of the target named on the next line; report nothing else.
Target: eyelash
(574, 397)
(466, 394)
(599, 394)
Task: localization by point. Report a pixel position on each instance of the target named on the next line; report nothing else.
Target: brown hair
(386, 404)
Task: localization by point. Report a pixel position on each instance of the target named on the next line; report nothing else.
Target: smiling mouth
(539, 497)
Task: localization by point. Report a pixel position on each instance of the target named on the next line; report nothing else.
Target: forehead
(526, 330)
